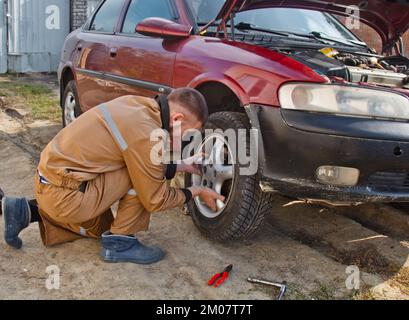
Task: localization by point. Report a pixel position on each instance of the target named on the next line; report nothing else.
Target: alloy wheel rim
(217, 173)
(69, 108)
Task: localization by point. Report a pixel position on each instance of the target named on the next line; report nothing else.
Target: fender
(223, 79)
(63, 68)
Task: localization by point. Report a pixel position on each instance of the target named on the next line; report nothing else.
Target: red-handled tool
(220, 277)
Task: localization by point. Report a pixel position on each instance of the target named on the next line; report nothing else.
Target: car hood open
(389, 19)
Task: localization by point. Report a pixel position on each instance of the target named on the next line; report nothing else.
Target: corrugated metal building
(32, 32)
(3, 39)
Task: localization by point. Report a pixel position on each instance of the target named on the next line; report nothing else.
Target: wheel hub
(209, 176)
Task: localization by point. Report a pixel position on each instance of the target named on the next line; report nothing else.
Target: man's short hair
(191, 100)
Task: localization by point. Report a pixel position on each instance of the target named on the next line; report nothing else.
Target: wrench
(282, 286)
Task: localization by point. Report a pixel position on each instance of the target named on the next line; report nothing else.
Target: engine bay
(392, 71)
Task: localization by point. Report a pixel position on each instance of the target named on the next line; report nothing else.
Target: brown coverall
(108, 147)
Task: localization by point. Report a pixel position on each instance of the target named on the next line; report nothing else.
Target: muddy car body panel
(232, 63)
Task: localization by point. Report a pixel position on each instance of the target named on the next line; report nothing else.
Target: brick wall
(80, 11)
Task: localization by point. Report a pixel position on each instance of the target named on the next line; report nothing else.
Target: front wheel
(71, 109)
(246, 206)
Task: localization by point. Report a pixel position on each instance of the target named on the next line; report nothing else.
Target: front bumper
(294, 144)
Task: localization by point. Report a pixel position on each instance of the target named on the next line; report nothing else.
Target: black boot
(17, 217)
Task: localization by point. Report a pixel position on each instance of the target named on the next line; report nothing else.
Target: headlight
(344, 100)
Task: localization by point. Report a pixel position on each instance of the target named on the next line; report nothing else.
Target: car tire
(246, 206)
(71, 109)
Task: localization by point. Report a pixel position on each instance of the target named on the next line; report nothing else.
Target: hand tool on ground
(282, 286)
(220, 277)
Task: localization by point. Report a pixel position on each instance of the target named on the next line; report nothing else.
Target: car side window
(142, 9)
(107, 16)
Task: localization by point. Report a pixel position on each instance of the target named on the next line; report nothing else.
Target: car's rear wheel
(246, 206)
(71, 109)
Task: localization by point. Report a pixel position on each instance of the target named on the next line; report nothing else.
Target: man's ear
(177, 117)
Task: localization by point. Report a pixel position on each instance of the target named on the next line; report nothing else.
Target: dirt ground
(308, 246)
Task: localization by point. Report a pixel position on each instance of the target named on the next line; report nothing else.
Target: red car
(331, 114)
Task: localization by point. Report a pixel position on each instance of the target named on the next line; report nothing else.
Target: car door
(93, 51)
(138, 64)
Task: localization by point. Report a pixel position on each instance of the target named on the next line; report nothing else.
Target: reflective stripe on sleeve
(113, 127)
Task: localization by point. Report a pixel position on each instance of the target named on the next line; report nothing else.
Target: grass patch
(37, 99)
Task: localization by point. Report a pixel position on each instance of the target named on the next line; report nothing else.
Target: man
(104, 157)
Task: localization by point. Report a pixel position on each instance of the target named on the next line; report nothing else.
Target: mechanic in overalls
(104, 157)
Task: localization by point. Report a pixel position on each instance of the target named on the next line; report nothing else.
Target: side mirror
(162, 28)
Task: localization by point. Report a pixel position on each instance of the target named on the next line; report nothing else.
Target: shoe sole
(1, 198)
(3, 201)
(108, 260)
(3, 210)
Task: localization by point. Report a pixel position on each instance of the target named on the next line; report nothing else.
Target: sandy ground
(308, 246)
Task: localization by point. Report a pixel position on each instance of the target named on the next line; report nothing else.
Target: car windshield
(298, 21)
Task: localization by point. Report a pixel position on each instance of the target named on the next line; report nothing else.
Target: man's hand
(208, 196)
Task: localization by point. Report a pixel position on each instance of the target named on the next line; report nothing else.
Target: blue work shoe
(17, 215)
(117, 248)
